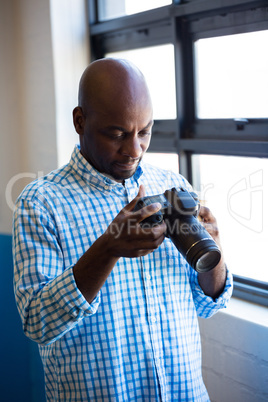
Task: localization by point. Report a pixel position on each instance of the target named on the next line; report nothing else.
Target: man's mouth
(127, 165)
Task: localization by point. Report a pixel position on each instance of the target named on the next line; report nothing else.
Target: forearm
(213, 281)
(93, 268)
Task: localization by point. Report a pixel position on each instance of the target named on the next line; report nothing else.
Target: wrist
(106, 246)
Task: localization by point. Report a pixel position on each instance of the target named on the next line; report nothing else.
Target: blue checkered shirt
(139, 339)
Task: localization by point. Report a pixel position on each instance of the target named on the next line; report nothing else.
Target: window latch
(240, 123)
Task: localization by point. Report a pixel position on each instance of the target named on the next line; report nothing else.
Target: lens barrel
(203, 255)
(193, 242)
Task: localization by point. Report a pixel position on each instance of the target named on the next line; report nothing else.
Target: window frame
(181, 23)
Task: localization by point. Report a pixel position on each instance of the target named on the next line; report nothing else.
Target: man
(112, 305)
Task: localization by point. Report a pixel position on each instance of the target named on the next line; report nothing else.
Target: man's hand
(208, 220)
(212, 282)
(126, 238)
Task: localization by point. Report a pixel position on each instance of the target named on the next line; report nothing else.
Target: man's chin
(120, 174)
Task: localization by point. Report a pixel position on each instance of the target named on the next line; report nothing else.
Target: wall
(71, 55)
(21, 374)
(44, 49)
(28, 145)
(27, 101)
(235, 353)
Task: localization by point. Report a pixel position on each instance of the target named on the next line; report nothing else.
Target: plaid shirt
(139, 339)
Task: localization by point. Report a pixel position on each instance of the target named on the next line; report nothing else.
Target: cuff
(67, 295)
(206, 306)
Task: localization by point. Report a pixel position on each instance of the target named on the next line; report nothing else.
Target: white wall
(27, 100)
(235, 353)
(44, 48)
(71, 55)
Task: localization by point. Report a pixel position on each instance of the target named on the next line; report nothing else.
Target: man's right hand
(126, 238)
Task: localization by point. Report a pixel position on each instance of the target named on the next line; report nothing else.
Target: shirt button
(153, 319)
(148, 276)
(106, 187)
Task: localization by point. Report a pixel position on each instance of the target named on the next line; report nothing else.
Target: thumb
(141, 193)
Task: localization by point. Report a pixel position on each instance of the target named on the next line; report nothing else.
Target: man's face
(116, 135)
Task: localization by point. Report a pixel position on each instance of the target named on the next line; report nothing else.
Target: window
(162, 59)
(231, 76)
(117, 8)
(207, 65)
(235, 189)
(163, 160)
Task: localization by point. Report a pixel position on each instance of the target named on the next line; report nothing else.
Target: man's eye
(144, 133)
(115, 135)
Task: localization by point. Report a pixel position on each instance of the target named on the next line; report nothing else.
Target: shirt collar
(93, 177)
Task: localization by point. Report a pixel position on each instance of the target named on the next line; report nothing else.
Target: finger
(206, 215)
(139, 253)
(142, 253)
(141, 193)
(153, 232)
(150, 244)
(147, 211)
(211, 229)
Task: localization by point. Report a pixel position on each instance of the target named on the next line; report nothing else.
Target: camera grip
(157, 217)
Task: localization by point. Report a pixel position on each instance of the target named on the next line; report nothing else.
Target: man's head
(114, 118)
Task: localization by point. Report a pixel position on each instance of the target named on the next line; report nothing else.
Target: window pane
(157, 64)
(163, 161)
(232, 76)
(109, 9)
(236, 191)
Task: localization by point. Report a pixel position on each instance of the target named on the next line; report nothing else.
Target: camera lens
(208, 261)
(203, 255)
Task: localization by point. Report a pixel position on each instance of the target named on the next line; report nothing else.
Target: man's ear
(78, 120)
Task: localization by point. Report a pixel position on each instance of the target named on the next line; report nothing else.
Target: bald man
(113, 306)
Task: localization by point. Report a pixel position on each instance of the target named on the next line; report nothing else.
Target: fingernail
(155, 206)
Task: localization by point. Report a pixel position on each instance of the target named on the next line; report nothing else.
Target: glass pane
(158, 67)
(232, 76)
(163, 161)
(236, 191)
(109, 9)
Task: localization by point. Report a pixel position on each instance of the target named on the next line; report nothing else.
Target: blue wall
(21, 373)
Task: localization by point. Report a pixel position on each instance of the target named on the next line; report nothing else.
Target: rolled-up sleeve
(205, 305)
(48, 300)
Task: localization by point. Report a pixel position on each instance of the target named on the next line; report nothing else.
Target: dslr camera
(179, 211)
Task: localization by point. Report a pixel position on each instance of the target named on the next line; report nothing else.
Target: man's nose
(132, 146)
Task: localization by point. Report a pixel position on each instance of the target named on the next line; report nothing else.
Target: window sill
(247, 311)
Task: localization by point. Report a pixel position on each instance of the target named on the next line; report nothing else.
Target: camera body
(179, 211)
